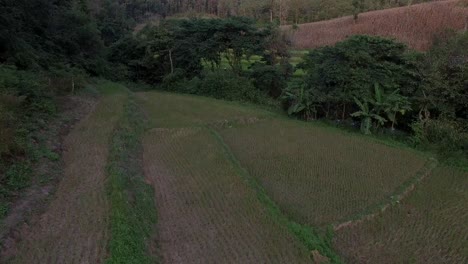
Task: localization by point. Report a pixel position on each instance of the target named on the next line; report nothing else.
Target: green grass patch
(133, 213)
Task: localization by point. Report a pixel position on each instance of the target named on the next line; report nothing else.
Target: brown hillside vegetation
(414, 25)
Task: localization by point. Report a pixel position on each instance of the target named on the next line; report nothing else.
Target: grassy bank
(133, 212)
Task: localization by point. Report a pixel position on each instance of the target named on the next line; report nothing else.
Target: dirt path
(74, 227)
(206, 213)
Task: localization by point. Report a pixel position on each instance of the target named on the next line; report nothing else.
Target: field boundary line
(309, 236)
(402, 192)
(132, 207)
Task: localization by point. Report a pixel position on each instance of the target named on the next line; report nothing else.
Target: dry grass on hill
(415, 25)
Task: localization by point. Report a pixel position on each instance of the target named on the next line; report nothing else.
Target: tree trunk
(172, 63)
(344, 112)
(328, 111)
(466, 24)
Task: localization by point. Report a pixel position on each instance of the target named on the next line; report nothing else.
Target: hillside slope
(414, 25)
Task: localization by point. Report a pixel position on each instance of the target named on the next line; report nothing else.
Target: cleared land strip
(206, 212)
(429, 226)
(319, 176)
(74, 228)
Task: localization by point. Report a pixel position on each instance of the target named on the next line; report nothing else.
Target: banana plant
(390, 104)
(367, 115)
(301, 103)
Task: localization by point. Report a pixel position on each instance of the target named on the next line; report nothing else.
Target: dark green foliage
(26, 107)
(173, 54)
(441, 101)
(448, 137)
(445, 88)
(239, 37)
(380, 84)
(113, 22)
(42, 33)
(268, 78)
(351, 69)
(300, 103)
(224, 84)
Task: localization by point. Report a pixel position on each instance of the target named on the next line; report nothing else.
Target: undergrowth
(133, 212)
(312, 238)
(27, 147)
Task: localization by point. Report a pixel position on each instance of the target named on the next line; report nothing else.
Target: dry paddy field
(320, 176)
(430, 226)
(206, 212)
(236, 184)
(317, 177)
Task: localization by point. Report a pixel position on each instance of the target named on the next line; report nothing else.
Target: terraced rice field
(317, 175)
(430, 226)
(74, 228)
(237, 184)
(174, 110)
(207, 213)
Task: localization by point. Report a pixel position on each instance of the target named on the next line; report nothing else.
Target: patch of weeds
(27, 148)
(17, 176)
(45, 178)
(312, 238)
(3, 210)
(49, 154)
(133, 213)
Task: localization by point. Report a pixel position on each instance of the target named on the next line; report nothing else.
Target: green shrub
(268, 78)
(17, 176)
(174, 81)
(351, 69)
(445, 135)
(227, 85)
